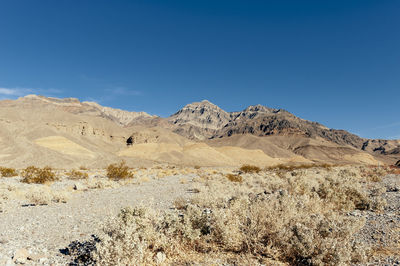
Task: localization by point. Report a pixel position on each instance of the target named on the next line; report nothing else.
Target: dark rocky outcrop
(204, 120)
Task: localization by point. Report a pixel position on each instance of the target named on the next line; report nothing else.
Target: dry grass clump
(8, 172)
(44, 195)
(299, 219)
(288, 168)
(234, 178)
(100, 183)
(247, 168)
(119, 171)
(375, 173)
(75, 174)
(33, 174)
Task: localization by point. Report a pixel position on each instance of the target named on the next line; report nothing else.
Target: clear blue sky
(335, 62)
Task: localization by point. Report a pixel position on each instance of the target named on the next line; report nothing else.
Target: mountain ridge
(70, 132)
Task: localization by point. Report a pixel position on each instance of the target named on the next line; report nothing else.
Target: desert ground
(174, 215)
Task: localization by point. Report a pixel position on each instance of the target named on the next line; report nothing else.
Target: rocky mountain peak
(199, 119)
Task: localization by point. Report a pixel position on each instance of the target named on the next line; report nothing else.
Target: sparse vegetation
(119, 171)
(44, 195)
(74, 174)
(37, 175)
(235, 178)
(295, 219)
(8, 172)
(288, 168)
(247, 168)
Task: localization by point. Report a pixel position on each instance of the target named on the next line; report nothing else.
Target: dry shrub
(83, 168)
(197, 167)
(247, 168)
(44, 195)
(37, 175)
(278, 227)
(180, 203)
(8, 172)
(235, 178)
(100, 183)
(288, 168)
(298, 220)
(119, 171)
(344, 194)
(74, 174)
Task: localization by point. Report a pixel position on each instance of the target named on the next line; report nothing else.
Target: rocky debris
(82, 252)
(143, 137)
(392, 183)
(160, 257)
(381, 230)
(20, 256)
(397, 164)
(79, 186)
(43, 230)
(23, 256)
(37, 257)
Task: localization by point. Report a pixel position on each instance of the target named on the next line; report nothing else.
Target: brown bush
(235, 178)
(247, 168)
(8, 172)
(37, 175)
(74, 174)
(119, 171)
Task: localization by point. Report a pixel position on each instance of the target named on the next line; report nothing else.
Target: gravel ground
(382, 230)
(44, 230)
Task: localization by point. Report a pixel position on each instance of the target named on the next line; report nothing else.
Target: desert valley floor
(39, 221)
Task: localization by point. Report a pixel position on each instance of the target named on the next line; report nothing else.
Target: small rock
(160, 257)
(79, 186)
(36, 257)
(20, 256)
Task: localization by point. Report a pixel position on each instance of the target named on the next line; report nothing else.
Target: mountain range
(67, 133)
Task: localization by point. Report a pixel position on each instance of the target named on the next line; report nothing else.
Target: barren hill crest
(47, 130)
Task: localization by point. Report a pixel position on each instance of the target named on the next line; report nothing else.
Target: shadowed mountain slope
(37, 130)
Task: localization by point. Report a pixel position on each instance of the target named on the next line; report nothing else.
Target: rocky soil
(382, 230)
(35, 234)
(38, 234)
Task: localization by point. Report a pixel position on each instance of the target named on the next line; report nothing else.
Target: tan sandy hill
(61, 133)
(67, 133)
(298, 149)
